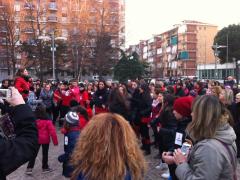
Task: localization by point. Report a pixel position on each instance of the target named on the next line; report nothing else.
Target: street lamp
(216, 53)
(237, 63)
(53, 48)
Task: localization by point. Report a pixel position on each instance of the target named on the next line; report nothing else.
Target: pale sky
(147, 17)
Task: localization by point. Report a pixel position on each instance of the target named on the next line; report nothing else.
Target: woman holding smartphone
(213, 155)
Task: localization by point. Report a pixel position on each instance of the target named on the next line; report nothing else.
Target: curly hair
(107, 149)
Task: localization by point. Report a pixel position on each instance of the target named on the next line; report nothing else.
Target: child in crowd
(45, 131)
(71, 131)
(33, 102)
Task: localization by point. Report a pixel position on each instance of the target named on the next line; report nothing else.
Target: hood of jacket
(226, 134)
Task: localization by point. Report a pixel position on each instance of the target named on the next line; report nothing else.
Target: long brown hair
(106, 149)
(208, 113)
(20, 71)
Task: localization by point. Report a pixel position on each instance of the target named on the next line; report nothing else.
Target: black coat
(120, 109)
(179, 92)
(134, 106)
(145, 105)
(16, 152)
(168, 128)
(100, 98)
(181, 128)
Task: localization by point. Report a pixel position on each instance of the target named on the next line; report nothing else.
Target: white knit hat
(72, 118)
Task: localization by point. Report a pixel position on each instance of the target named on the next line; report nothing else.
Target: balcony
(29, 18)
(3, 53)
(64, 20)
(29, 6)
(52, 6)
(31, 42)
(2, 5)
(43, 20)
(3, 30)
(52, 18)
(28, 31)
(3, 41)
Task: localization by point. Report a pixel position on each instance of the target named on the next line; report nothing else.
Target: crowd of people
(107, 127)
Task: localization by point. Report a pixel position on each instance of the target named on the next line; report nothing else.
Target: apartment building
(177, 51)
(78, 21)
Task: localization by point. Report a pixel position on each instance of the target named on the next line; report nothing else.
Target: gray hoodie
(209, 159)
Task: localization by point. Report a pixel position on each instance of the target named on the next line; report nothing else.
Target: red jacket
(45, 131)
(67, 96)
(83, 97)
(75, 93)
(57, 96)
(82, 121)
(22, 86)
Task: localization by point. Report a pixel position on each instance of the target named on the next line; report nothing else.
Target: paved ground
(54, 151)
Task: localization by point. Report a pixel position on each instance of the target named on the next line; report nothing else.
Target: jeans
(45, 148)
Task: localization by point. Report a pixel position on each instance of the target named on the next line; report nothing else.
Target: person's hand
(167, 157)
(16, 98)
(179, 158)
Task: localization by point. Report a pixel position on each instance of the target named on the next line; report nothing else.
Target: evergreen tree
(129, 67)
(233, 33)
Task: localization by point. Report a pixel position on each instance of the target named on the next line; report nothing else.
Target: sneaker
(29, 171)
(47, 170)
(165, 175)
(162, 166)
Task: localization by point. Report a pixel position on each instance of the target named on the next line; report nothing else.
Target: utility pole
(227, 56)
(53, 55)
(216, 53)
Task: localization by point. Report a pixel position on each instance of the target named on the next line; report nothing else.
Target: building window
(52, 18)
(52, 6)
(17, 7)
(64, 32)
(64, 19)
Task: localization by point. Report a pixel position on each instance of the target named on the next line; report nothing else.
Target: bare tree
(37, 48)
(107, 47)
(10, 37)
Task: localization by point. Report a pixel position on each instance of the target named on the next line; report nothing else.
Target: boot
(147, 149)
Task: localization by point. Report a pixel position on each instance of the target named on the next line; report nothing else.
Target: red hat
(183, 106)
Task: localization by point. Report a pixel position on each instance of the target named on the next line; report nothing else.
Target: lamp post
(53, 49)
(216, 53)
(238, 73)
(237, 63)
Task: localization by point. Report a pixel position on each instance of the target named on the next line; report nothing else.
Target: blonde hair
(228, 96)
(216, 90)
(237, 95)
(106, 149)
(208, 114)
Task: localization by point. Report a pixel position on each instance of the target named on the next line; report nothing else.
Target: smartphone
(185, 148)
(5, 93)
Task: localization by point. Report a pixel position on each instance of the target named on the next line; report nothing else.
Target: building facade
(177, 51)
(80, 22)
